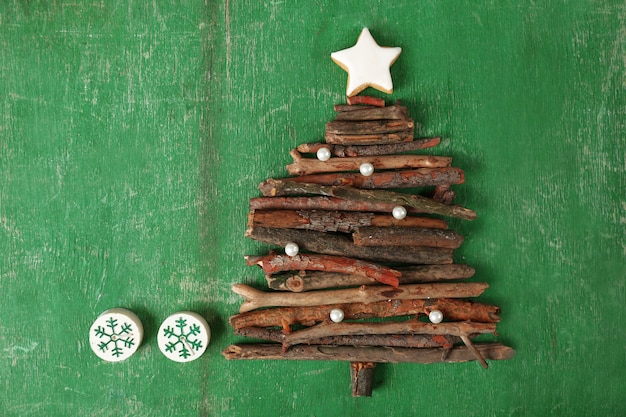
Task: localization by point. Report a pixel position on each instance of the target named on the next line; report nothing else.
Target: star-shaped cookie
(367, 64)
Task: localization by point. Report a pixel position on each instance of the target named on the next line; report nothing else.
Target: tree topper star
(367, 64)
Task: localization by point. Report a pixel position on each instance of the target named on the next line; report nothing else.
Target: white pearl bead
(435, 316)
(336, 315)
(398, 212)
(292, 249)
(323, 154)
(366, 169)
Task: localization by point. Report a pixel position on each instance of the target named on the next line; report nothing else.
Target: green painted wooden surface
(133, 133)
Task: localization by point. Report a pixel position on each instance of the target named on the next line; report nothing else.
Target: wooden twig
(390, 149)
(347, 107)
(368, 100)
(365, 294)
(342, 245)
(274, 187)
(406, 236)
(406, 340)
(395, 112)
(377, 354)
(324, 203)
(479, 357)
(310, 281)
(335, 221)
(326, 329)
(343, 151)
(453, 309)
(338, 127)
(409, 178)
(307, 166)
(277, 263)
(362, 378)
(369, 139)
(444, 194)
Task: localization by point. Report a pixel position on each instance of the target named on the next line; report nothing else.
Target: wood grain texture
(132, 136)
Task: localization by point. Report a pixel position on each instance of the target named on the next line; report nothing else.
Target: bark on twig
(277, 263)
(275, 187)
(405, 340)
(406, 236)
(310, 281)
(395, 112)
(343, 151)
(452, 308)
(444, 194)
(369, 139)
(307, 166)
(334, 221)
(367, 100)
(368, 127)
(378, 354)
(421, 177)
(362, 378)
(324, 203)
(365, 294)
(342, 245)
(459, 329)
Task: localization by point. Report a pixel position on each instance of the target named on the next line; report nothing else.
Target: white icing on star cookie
(367, 64)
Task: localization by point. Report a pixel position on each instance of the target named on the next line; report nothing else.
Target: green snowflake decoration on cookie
(182, 339)
(119, 338)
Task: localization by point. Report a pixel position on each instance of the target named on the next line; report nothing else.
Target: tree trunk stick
(395, 112)
(326, 329)
(362, 378)
(369, 139)
(341, 245)
(310, 281)
(406, 236)
(421, 177)
(406, 340)
(276, 263)
(377, 354)
(466, 340)
(365, 294)
(334, 221)
(274, 187)
(453, 309)
(343, 151)
(307, 166)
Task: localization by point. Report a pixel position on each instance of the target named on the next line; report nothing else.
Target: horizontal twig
(365, 294)
(378, 354)
(369, 138)
(335, 221)
(395, 112)
(342, 245)
(310, 281)
(453, 309)
(307, 166)
(406, 236)
(421, 177)
(275, 187)
(406, 340)
(301, 262)
(328, 329)
(343, 151)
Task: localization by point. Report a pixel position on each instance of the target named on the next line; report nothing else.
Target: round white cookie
(116, 335)
(184, 336)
